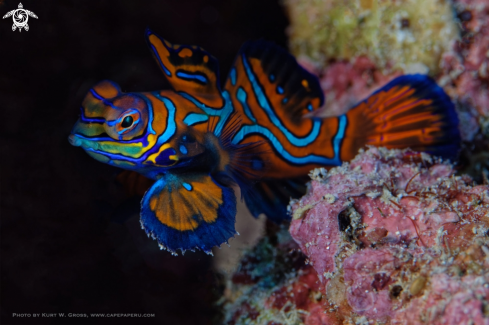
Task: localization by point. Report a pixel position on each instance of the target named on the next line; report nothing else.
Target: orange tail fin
(410, 111)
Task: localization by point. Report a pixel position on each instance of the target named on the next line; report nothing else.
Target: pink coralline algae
(273, 285)
(466, 67)
(393, 237)
(396, 238)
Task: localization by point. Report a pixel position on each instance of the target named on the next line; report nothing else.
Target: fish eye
(127, 121)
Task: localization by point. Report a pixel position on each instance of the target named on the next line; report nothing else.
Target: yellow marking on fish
(152, 158)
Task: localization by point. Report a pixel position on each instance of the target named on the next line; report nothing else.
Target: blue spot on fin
(183, 149)
(187, 186)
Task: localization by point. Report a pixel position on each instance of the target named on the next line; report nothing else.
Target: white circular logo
(20, 17)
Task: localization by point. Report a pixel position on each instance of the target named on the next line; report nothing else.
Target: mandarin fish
(196, 140)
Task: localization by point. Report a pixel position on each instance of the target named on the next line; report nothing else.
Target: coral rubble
(394, 237)
(272, 285)
(392, 33)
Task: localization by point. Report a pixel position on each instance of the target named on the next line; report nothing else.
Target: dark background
(70, 236)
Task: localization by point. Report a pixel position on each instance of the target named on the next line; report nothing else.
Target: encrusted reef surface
(356, 46)
(394, 237)
(273, 284)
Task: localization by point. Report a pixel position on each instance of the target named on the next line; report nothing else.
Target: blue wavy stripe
(310, 159)
(340, 134)
(143, 140)
(223, 113)
(150, 113)
(85, 119)
(171, 126)
(241, 96)
(263, 102)
(104, 100)
(191, 76)
(194, 118)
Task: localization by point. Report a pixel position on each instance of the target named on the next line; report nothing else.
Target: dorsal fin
(189, 69)
(288, 88)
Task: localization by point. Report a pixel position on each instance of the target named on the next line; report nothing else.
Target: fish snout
(74, 140)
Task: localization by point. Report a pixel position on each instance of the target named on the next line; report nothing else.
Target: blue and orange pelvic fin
(188, 212)
(266, 76)
(410, 111)
(189, 69)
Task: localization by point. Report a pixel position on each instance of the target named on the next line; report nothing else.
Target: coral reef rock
(409, 31)
(465, 67)
(396, 238)
(272, 285)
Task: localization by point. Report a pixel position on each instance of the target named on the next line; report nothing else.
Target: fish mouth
(79, 140)
(82, 133)
(74, 140)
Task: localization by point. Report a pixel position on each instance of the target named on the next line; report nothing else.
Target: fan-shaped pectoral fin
(189, 212)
